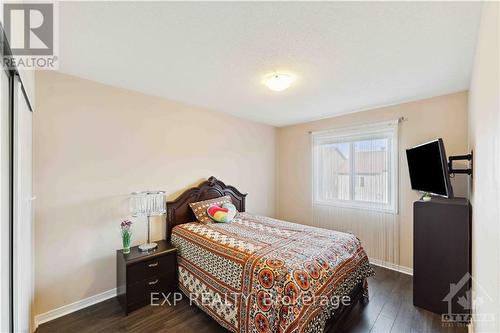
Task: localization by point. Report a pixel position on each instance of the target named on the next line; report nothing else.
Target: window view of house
(355, 169)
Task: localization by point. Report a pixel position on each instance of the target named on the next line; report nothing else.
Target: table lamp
(148, 203)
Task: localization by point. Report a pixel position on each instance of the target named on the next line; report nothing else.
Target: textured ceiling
(348, 56)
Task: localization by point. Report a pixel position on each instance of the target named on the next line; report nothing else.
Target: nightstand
(138, 274)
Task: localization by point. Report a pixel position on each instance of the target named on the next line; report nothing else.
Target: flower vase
(126, 245)
(126, 227)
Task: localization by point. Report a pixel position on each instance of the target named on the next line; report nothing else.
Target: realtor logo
(31, 31)
(461, 300)
(29, 28)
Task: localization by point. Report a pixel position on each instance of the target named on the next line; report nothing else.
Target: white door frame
(22, 252)
(15, 307)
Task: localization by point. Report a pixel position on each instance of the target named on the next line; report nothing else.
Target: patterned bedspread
(258, 274)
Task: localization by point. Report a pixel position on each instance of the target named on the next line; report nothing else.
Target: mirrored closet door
(6, 202)
(16, 224)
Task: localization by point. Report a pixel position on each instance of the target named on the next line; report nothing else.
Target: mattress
(258, 274)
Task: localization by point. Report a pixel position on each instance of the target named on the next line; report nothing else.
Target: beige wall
(94, 144)
(484, 137)
(444, 116)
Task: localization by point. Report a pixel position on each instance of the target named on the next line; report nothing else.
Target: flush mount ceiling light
(278, 81)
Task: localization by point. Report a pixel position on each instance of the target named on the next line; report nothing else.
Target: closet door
(23, 221)
(5, 203)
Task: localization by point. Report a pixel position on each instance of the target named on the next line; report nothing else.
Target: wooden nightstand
(138, 274)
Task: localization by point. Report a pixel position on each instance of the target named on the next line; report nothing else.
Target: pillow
(200, 208)
(224, 213)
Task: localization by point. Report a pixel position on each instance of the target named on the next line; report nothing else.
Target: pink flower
(126, 224)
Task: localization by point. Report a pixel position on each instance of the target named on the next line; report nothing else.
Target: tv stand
(441, 254)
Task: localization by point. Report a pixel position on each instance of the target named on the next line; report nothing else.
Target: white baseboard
(391, 266)
(69, 308)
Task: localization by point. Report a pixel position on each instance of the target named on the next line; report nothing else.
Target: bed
(258, 274)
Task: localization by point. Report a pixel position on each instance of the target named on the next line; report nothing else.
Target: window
(356, 167)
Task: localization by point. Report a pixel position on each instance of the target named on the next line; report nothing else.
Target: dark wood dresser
(141, 273)
(441, 254)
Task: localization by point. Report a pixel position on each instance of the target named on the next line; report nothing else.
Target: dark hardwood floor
(390, 310)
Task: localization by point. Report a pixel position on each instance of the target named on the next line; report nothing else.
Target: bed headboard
(179, 212)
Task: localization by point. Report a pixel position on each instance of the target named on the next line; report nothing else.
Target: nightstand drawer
(151, 268)
(138, 274)
(141, 291)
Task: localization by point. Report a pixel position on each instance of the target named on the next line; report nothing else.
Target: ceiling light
(278, 81)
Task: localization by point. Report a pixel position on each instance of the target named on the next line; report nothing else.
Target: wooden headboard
(179, 212)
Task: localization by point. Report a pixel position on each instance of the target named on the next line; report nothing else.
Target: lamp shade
(148, 203)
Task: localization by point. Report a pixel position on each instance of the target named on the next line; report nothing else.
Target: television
(429, 168)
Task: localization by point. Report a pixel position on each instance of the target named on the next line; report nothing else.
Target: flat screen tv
(429, 168)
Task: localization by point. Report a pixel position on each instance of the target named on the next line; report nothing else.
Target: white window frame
(356, 133)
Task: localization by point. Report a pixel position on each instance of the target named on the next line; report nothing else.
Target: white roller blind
(355, 185)
(357, 167)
